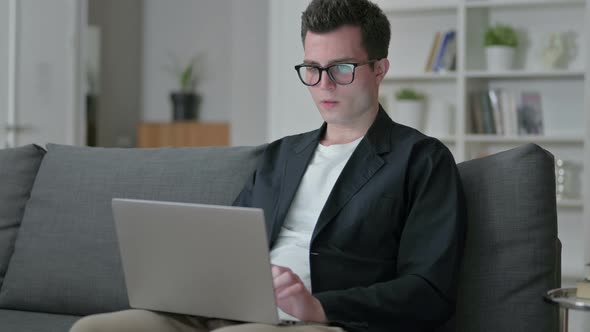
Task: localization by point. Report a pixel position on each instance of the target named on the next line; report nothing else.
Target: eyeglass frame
(327, 70)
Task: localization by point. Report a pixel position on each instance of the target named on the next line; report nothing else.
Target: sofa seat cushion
(18, 169)
(25, 321)
(66, 258)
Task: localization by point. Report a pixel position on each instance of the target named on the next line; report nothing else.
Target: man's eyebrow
(342, 60)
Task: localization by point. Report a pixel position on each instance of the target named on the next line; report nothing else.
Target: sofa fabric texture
(18, 169)
(511, 243)
(66, 258)
(23, 321)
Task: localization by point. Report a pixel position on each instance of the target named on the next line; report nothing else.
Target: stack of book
(500, 112)
(443, 52)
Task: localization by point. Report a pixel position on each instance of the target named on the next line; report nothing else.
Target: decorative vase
(553, 50)
(409, 113)
(500, 57)
(568, 179)
(185, 105)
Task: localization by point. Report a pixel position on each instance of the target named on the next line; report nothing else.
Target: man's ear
(381, 69)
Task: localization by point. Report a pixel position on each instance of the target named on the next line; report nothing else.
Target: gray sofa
(59, 257)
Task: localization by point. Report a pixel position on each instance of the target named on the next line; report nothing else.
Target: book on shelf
(476, 114)
(502, 112)
(508, 110)
(489, 125)
(496, 112)
(530, 117)
(443, 52)
(449, 52)
(433, 50)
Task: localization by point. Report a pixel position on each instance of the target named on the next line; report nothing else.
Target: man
(365, 217)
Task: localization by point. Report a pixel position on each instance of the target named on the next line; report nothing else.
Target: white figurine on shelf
(553, 49)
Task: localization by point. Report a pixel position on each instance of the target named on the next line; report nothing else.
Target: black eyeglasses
(339, 73)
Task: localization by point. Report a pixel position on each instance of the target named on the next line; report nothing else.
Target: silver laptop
(195, 259)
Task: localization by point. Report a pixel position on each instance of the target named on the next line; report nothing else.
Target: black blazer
(386, 249)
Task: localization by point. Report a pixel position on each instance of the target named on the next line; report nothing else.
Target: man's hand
(293, 298)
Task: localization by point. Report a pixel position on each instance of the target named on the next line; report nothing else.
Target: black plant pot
(185, 106)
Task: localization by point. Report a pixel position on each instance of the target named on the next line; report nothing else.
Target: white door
(4, 78)
(41, 88)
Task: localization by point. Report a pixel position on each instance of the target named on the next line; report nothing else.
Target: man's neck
(346, 133)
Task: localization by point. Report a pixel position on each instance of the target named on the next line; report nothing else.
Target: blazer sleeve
(424, 290)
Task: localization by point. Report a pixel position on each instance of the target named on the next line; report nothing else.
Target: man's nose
(326, 82)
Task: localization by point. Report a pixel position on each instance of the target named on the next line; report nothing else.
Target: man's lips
(329, 103)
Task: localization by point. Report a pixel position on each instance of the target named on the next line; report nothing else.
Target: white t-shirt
(292, 246)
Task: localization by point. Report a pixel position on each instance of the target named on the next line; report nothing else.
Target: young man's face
(344, 104)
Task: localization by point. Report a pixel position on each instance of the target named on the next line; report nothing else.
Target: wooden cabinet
(177, 134)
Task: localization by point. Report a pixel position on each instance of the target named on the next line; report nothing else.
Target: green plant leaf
(186, 78)
(500, 35)
(408, 94)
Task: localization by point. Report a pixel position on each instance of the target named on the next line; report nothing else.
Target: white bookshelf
(421, 77)
(521, 3)
(565, 92)
(532, 74)
(523, 139)
(570, 203)
(404, 7)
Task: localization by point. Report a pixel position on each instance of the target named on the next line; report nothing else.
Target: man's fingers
(292, 290)
(285, 279)
(277, 270)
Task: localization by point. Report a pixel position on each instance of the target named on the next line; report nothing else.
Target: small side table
(566, 299)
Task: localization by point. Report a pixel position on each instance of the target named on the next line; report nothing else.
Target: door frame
(76, 134)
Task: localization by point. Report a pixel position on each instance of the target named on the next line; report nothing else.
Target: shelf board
(421, 76)
(520, 3)
(526, 74)
(422, 6)
(570, 203)
(478, 138)
(446, 139)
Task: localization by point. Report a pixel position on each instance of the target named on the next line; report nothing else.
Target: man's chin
(329, 114)
(334, 118)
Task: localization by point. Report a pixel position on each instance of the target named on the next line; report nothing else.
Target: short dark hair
(322, 16)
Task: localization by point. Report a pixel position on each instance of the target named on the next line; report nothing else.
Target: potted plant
(500, 42)
(185, 100)
(409, 108)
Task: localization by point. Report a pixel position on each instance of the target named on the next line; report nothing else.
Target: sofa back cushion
(18, 168)
(66, 257)
(512, 251)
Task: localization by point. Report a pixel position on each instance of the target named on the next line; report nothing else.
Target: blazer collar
(378, 136)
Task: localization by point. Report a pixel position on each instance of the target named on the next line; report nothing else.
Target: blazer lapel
(362, 165)
(293, 172)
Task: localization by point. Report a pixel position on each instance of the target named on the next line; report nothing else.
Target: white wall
(184, 28)
(118, 105)
(233, 35)
(291, 109)
(249, 73)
